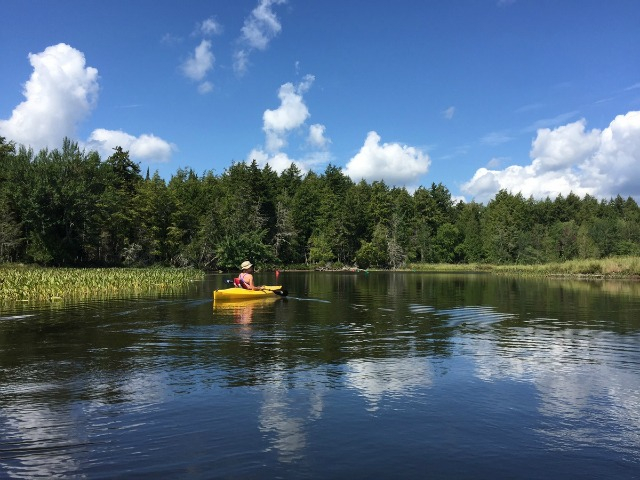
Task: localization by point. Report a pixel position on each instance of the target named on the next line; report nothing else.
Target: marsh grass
(613, 267)
(25, 283)
(450, 267)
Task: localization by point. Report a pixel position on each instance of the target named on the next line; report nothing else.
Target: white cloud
(240, 61)
(197, 65)
(396, 164)
(209, 27)
(61, 92)
(551, 122)
(201, 62)
(563, 147)
(145, 147)
(291, 114)
(280, 161)
(449, 113)
(171, 40)
(262, 25)
(259, 28)
(602, 163)
(616, 164)
(205, 87)
(316, 136)
(495, 162)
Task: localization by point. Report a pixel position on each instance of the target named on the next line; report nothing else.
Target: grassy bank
(20, 283)
(614, 267)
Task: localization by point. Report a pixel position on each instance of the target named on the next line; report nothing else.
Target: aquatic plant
(19, 283)
(612, 267)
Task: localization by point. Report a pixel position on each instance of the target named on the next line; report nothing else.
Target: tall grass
(18, 283)
(613, 267)
(450, 267)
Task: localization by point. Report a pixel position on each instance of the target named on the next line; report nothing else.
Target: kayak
(234, 294)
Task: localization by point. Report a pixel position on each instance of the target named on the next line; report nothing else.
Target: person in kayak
(245, 279)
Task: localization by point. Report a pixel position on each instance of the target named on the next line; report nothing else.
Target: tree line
(69, 207)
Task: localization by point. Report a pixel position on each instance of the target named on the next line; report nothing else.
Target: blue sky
(537, 96)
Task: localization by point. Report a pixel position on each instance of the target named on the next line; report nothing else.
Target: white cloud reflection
(376, 379)
(284, 418)
(581, 386)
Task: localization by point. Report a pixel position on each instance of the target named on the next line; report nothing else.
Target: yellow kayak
(234, 294)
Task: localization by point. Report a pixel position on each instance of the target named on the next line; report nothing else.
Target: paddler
(245, 279)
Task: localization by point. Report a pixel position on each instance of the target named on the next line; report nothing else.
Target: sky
(540, 97)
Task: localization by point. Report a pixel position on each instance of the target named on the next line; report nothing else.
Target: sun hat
(245, 265)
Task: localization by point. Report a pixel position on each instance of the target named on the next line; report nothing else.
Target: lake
(353, 375)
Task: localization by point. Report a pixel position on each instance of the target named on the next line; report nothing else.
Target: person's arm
(251, 285)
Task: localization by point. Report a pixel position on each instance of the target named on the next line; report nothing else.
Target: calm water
(381, 375)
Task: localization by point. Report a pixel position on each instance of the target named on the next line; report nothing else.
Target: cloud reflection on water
(284, 418)
(394, 377)
(586, 380)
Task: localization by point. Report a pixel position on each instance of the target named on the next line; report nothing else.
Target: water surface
(380, 375)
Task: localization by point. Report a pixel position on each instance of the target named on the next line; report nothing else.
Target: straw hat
(246, 265)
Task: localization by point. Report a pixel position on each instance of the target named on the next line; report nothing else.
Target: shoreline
(620, 268)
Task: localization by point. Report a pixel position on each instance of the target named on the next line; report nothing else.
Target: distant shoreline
(623, 267)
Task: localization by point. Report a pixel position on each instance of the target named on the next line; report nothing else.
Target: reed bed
(35, 283)
(450, 267)
(613, 267)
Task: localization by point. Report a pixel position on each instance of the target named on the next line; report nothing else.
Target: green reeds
(449, 267)
(613, 267)
(18, 283)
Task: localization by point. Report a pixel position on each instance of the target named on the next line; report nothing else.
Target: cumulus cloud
(198, 64)
(602, 163)
(495, 162)
(60, 93)
(290, 115)
(201, 61)
(280, 161)
(563, 147)
(316, 136)
(394, 163)
(259, 28)
(278, 124)
(145, 147)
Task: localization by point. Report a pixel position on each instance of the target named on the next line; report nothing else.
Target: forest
(70, 208)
